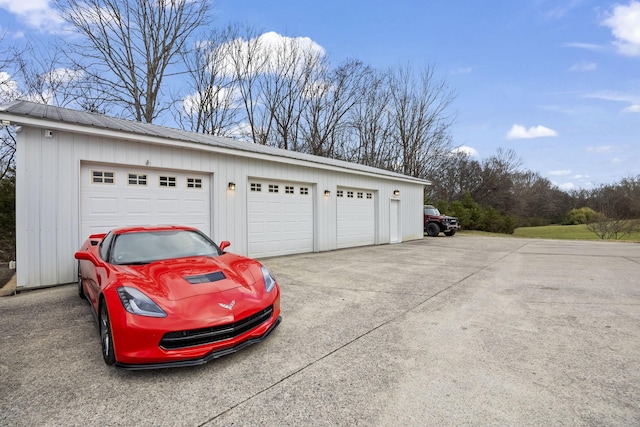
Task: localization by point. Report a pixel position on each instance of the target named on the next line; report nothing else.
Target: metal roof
(27, 109)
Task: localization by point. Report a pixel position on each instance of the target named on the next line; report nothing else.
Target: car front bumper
(214, 354)
(141, 342)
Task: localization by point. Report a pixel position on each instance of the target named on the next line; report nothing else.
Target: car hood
(181, 278)
(442, 217)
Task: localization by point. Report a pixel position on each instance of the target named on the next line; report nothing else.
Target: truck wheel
(433, 229)
(450, 233)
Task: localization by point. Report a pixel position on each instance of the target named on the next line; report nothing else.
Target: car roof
(151, 228)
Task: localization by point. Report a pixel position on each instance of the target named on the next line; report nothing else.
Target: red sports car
(168, 296)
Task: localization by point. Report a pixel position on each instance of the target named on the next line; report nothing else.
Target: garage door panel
(168, 206)
(279, 223)
(355, 218)
(103, 206)
(111, 199)
(138, 206)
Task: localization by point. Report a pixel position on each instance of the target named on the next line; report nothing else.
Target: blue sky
(557, 81)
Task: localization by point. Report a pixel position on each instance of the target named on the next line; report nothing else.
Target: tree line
(497, 195)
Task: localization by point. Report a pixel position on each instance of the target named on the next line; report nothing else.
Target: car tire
(80, 290)
(433, 229)
(106, 337)
(450, 233)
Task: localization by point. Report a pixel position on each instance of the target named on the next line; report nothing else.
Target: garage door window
(167, 181)
(135, 179)
(350, 194)
(194, 183)
(289, 189)
(102, 177)
(340, 193)
(273, 188)
(256, 187)
(304, 191)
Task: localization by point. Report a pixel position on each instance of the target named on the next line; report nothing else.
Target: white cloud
(8, 88)
(576, 181)
(584, 66)
(35, 13)
(470, 151)
(563, 172)
(463, 70)
(520, 132)
(601, 149)
(607, 95)
(218, 97)
(624, 21)
(585, 46)
(267, 51)
(566, 186)
(633, 108)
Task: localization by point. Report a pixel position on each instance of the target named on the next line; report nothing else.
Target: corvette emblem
(227, 306)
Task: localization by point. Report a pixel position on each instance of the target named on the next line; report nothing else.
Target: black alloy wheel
(432, 229)
(106, 337)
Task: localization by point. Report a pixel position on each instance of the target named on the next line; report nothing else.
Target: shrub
(582, 215)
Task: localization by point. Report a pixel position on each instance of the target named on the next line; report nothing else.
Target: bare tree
(454, 175)
(247, 62)
(497, 186)
(421, 122)
(131, 46)
(613, 228)
(371, 124)
(292, 70)
(45, 78)
(333, 94)
(213, 106)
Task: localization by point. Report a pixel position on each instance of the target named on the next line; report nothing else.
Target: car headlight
(136, 302)
(269, 281)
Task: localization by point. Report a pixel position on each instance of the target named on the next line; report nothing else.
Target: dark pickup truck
(435, 222)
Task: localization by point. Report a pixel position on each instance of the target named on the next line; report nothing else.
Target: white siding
(48, 197)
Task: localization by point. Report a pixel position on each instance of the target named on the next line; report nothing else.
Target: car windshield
(431, 211)
(150, 246)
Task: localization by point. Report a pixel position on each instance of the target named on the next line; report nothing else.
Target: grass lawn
(563, 232)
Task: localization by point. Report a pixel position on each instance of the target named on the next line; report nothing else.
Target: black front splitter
(201, 361)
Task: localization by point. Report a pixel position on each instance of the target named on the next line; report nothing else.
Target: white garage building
(80, 173)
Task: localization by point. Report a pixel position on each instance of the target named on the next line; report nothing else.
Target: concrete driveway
(456, 330)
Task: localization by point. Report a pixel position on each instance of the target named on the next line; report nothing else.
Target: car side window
(104, 246)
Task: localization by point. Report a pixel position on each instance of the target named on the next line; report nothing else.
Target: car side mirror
(87, 256)
(224, 244)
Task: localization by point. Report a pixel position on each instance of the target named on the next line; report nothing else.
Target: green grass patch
(566, 232)
(561, 232)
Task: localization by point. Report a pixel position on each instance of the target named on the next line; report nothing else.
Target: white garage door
(115, 196)
(356, 218)
(280, 218)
